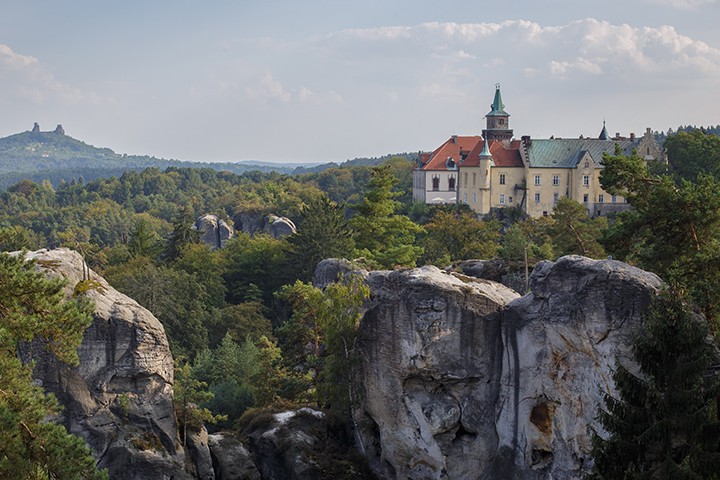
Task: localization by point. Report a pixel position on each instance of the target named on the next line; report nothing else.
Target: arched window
(451, 184)
(436, 183)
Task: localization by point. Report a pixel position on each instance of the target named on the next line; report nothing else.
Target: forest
(249, 330)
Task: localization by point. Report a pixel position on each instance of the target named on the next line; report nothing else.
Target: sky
(331, 80)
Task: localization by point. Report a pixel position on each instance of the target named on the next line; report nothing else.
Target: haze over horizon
(330, 80)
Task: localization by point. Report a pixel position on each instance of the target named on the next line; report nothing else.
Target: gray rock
(279, 227)
(198, 449)
(284, 451)
(488, 269)
(119, 398)
(252, 223)
(331, 270)
(214, 231)
(231, 459)
(464, 379)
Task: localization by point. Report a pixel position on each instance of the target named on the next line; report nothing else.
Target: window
(556, 180)
(537, 198)
(509, 199)
(436, 184)
(474, 178)
(585, 198)
(614, 199)
(465, 196)
(601, 198)
(537, 179)
(502, 199)
(555, 197)
(465, 180)
(502, 179)
(587, 164)
(474, 197)
(586, 180)
(545, 213)
(451, 184)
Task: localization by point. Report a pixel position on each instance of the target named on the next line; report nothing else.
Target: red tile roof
(455, 147)
(502, 156)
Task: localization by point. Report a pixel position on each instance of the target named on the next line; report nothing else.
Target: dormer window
(450, 164)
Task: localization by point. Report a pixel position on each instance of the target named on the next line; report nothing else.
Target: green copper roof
(497, 108)
(566, 153)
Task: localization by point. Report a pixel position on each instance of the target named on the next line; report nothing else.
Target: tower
(497, 121)
(485, 162)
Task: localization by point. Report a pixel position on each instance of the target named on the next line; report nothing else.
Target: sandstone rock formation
(252, 223)
(279, 227)
(231, 459)
(463, 379)
(330, 270)
(119, 399)
(214, 231)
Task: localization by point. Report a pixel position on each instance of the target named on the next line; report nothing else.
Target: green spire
(497, 107)
(486, 150)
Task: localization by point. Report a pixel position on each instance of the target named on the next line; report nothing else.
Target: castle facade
(496, 170)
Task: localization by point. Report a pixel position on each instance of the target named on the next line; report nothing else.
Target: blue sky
(319, 81)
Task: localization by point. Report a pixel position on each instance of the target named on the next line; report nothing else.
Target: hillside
(55, 156)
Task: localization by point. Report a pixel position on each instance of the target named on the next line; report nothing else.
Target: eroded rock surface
(119, 398)
(214, 231)
(463, 379)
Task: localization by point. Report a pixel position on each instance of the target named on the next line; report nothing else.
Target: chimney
(632, 137)
(454, 138)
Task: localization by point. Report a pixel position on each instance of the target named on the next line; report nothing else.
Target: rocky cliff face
(463, 379)
(119, 399)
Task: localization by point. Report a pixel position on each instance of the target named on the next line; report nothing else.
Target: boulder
(278, 227)
(493, 269)
(252, 223)
(231, 459)
(331, 270)
(462, 378)
(213, 230)
(119, 398)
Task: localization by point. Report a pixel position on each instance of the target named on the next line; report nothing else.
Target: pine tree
(663, 424)
(323, 233)
(183, 233)
(382, 236)
(32, 306)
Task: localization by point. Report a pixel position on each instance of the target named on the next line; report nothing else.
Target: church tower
(497, 121)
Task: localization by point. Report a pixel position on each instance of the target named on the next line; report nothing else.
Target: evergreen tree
(382, 236)
(32, 306)
(663, 423)
(144, 242)
(183, 233)
(323, 233)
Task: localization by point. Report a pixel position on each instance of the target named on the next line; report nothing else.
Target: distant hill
(56, 156)
(355, 162)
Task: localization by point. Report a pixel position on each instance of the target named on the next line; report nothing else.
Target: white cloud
(25, 77)
(684, 4)
(15, 61)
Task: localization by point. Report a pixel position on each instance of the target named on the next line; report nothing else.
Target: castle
(497, 171)
(59, 129)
